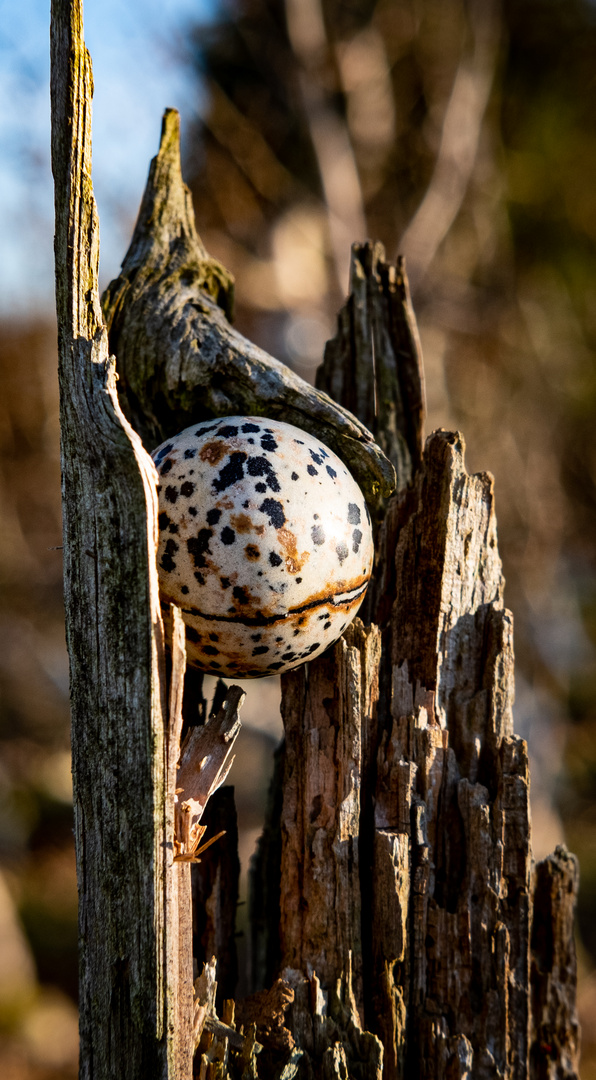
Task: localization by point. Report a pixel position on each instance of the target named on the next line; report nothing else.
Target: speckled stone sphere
(265, 544)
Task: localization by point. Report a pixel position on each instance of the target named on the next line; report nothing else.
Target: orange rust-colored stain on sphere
(213, 452)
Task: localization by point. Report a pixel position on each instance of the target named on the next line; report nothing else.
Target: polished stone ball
(265, 544)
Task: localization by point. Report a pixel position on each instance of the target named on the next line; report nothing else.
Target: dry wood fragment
(363, 366)
(129, 950)
(204, 764)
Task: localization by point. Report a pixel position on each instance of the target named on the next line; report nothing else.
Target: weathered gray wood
(180, 361)
(179, 960)
(324, 716)
(114, 634)
(364, 366)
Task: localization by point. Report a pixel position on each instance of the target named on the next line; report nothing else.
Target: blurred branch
(246, 144)
(329, 135)
(462, 125)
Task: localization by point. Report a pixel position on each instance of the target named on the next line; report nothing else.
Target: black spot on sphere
(317, 645)
(240, 594)
(225, 582)
(167, 563)
(299, 441)
(203, 430)
(323, 451)
(260, 650)
(326, 625)
(163, 520)
(342, 552)
(274, 511)
(198, 546)
(227, 535)
(192, 634)
(190, 453)
(252, 552)
(332, 472)
(278, 664)
(210, 650)
(256, 637)
(298, 580)
(318, 460)
(279, 639)
(227, 432)
(261, 488)
(214, 664)
(311, 470)
(294, 476)
(275, 559)
(246, 504)
(231, 473)
(247, 429)
(353, 514)
(259, 466)
(192, 510)
(162, 453)
(318, 534)
(187, 489)
(173, 527)
(356, 540)
(213, 516)
(289, 655)
(184, 589)
(213, 637)
(172, 494)
(199, 577)
(166, 467)
(268, 443)
(171, 547)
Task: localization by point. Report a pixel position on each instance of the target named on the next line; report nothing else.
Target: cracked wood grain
(114, 634)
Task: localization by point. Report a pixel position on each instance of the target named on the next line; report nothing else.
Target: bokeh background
(461, 133)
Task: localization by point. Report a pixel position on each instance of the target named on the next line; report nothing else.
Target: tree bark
(114, 631)
(135, 931)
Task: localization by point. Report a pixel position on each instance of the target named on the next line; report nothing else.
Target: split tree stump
(399, 926)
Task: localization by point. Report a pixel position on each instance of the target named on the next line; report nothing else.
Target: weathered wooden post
(399, 926)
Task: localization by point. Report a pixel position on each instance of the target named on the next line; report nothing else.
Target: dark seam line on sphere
(270, 620)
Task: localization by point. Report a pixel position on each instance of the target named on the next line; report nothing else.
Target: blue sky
(138, 49)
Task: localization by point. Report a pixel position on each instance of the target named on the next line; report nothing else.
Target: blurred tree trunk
(405, 931)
